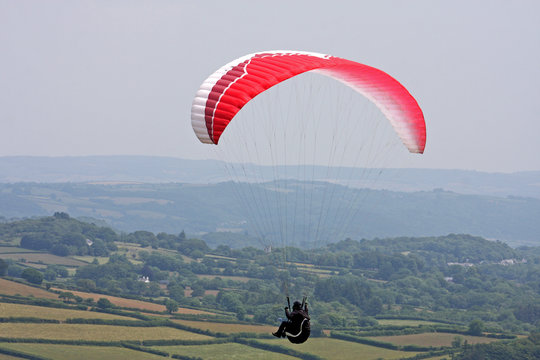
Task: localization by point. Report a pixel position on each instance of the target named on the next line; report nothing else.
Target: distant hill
(60, 235)
(148, 169)
(199, 209)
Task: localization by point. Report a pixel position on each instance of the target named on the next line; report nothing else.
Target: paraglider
(297, 327)
(224, 93)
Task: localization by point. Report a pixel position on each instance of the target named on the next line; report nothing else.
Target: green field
(14, 288)
(131, 251)
(225, 277)
(42, 258)
(16, 241)
(72, 352)
(132, 303)
(13, 249)
(314, 270)
(220, 257)
(342, 350)
(36, 266)
(94, 332)
(89, 259)
(224, 351)
(404, 322)
(7, 357)
(19, 310)
(431, 339)
(227, 328)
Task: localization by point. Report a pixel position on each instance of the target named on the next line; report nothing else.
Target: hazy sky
(118, 77)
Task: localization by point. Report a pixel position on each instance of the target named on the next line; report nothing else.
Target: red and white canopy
(226, 91)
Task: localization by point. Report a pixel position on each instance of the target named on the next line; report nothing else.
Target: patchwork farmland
(168, 296)
(61, 330)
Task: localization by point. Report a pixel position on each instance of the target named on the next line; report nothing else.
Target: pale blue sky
(118, 77)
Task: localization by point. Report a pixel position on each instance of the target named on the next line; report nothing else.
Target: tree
(87, 284)
(76, 240)
(104, 303)
(374, 306)
(61, 271)
(32, 275)
(529, 312)
(176, 292)
(458, 340)
(66, 296)
(61, 215)
(89, 301)
(36, 242)
(152, 290)
(171, 305)
(50, 275)
(99, 248)
(231, 302)
(476, 327)
(60, 250)
(197, 254)
(3, 267)
(198, 290)
(148, 272)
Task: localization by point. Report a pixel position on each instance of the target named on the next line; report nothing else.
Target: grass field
(13, 288)
(13, 249)
(36, 266)
(16, 241)
(42, 258)
(132, 250)
(227, 328)
(314, 270)
(219, 257)
(400, 322)
(225, 277)
(342, 350)
(7, 357)
(224, 351)
(20, 310)
(118, 301)
(71, 352)
(431, 339)
(89, 259)
(136, 304)
(94, 332)
(188, 292)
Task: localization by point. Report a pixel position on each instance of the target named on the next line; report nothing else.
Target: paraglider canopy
(226, 91)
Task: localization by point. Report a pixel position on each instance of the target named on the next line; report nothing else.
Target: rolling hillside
(354, 213)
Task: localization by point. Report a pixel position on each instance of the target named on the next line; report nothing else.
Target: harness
(302, 335)
(305, 328)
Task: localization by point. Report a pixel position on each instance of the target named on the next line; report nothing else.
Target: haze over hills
(148, 169)
(171, 195)
(200, 209)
